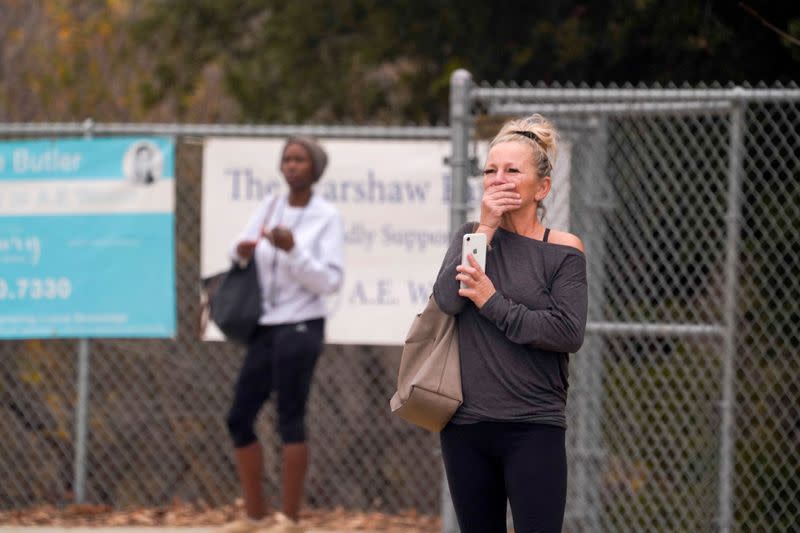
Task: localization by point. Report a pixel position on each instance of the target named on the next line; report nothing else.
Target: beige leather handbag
(429, 381)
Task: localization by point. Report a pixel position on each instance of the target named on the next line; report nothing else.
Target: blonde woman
(517, 321)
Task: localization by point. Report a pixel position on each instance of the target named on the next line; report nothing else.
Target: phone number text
(35, 289)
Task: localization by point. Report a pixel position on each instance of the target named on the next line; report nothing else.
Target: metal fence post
(81, 422)
(727, 408)
(460, 82)
(590, 200)
(82, 407)
(460, 123)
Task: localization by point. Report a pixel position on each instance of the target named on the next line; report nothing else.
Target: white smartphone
(475, 244)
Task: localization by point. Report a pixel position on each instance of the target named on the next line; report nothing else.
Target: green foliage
(367, 60)
(359, 60)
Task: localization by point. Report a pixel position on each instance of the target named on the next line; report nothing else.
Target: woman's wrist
(487, 230)
(483, 300)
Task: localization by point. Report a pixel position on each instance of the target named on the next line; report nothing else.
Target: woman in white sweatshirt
(297, 242)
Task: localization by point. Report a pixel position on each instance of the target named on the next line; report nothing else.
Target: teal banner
(87, 238)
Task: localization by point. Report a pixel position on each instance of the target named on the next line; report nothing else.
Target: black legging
(281, 359)
(489, 462)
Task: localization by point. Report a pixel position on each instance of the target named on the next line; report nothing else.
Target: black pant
(279, 358)
(489, 462)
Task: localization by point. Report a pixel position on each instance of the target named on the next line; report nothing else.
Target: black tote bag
(236, 303)
(236, 306)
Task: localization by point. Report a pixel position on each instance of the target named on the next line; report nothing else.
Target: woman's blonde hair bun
(539, 133)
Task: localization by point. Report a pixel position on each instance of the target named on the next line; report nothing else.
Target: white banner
(394, 199)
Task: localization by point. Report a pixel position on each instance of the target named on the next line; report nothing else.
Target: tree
(360, 60)
(367, 60)
(69, 60)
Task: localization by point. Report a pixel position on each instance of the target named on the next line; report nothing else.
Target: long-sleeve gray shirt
(514, 350)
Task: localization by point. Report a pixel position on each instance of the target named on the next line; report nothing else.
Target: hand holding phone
(473, 244)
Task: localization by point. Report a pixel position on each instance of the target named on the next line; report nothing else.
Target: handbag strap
(267, 216)
(269, 213)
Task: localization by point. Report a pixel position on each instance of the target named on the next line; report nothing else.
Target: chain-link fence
(684, 399)
(683, 410)
(156, 408)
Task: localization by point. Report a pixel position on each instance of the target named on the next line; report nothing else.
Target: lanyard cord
(273, 290)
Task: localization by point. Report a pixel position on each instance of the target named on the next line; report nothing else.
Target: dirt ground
(181, 514)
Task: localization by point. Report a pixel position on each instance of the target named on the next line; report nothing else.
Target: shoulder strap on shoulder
(271, 209)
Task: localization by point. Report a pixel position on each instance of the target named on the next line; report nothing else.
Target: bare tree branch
(752, 12)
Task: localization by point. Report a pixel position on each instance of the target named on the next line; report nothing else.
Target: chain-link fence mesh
(157, 408)
(653, 196)
(650, 196)
(656, 216)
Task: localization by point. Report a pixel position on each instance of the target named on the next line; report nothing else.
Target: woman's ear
(543, 189)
